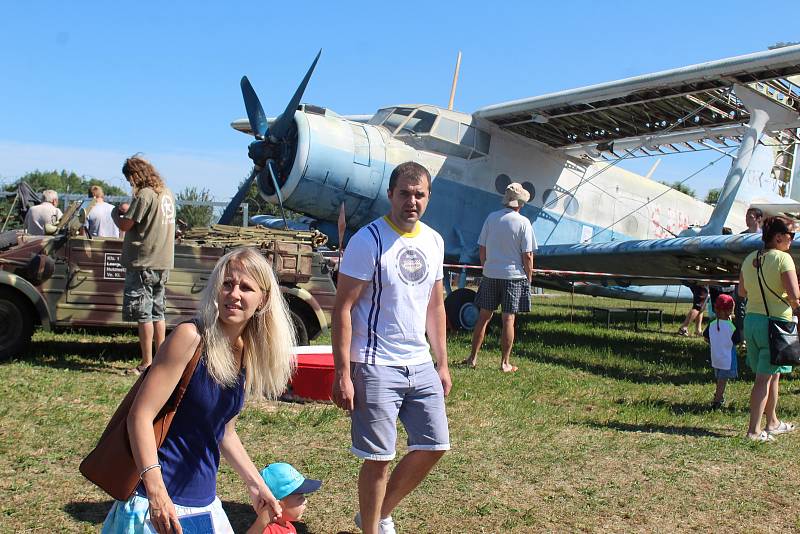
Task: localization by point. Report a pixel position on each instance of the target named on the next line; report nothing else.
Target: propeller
(269, 143)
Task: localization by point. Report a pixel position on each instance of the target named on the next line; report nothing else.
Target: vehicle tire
(300, 330)
(462, 314)
(16, 325)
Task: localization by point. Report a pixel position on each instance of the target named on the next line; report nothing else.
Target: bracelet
(148, 468)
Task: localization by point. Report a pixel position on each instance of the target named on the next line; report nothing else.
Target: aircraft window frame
(466, 135)
(483, 141)
(380, 116)
(402, 113)
(421, 126)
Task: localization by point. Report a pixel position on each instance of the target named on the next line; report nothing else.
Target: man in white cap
(507, 245)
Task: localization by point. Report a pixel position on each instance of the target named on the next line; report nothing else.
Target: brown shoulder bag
(111, 466)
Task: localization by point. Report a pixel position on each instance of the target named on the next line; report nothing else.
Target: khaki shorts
(144, 300)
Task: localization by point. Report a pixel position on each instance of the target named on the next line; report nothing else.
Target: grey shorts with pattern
(513, 295)
(144, 300)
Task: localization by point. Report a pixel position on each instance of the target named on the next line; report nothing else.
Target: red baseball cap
(724, 302)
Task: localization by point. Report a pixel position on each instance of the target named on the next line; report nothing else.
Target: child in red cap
(722, 337)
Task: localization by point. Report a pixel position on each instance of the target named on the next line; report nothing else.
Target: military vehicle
(67, 280)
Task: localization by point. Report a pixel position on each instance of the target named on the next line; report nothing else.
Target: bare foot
(472, 364)
(508, 368)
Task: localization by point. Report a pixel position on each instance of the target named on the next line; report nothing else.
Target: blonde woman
(244, 325)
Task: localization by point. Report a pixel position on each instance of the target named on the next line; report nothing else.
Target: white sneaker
(385, 526)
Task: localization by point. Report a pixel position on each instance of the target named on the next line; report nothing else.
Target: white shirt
(99, 222)
(720, 338)
(506, 235)
(388, 319)
(39, 215)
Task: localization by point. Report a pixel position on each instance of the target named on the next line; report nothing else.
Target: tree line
(64, 182)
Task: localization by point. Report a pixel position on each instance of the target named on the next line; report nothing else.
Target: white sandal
(762, 437)
(782, 428)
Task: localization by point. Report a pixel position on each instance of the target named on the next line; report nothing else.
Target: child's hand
(264, 501)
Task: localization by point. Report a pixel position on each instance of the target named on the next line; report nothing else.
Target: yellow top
(774, 264)
(412, 233)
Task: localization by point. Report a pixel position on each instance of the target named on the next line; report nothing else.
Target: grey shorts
(382, 394)
(513, 295)
(143, 300)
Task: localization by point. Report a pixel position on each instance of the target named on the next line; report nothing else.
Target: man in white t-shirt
(43, 214)
(389, 294)
(99, 222)
(507, 245)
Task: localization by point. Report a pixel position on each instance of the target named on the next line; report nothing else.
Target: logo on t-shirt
(412, 265)
(168, 210)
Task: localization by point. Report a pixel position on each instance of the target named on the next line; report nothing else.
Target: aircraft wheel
(462, 314)
(16, 325)
(300, 330)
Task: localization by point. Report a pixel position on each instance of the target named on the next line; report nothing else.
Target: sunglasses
(790, 234)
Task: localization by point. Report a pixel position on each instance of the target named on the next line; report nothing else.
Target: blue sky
(84, 84)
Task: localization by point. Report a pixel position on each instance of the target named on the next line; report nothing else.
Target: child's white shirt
(721, 335)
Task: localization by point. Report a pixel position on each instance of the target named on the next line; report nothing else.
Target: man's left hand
(444, 376)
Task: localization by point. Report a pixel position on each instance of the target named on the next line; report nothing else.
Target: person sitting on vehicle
(46, 213)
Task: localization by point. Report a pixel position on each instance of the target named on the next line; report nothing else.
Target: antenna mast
(455, 82)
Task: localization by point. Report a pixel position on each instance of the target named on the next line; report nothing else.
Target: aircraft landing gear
(462, 314)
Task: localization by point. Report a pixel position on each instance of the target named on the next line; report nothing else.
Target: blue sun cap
(282, 480)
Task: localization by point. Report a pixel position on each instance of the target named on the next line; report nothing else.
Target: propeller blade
(277, 192)
(281, 126)
(233, 205)
(255, 113)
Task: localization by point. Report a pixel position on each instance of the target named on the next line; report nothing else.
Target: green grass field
(601, 430)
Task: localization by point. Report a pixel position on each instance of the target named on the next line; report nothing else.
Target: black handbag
(784, 344)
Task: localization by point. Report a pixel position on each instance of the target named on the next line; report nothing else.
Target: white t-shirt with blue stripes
(388, 319)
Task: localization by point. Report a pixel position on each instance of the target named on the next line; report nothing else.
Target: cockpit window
(427, 129)
(380, 116)
(447, 129)
(397, 118)
(482, 142)
(419, 123)
(466, 135)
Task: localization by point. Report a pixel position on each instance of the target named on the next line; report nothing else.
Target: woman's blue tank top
(189, 456)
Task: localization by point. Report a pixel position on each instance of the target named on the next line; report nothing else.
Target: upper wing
(652, 261)
(668, 109)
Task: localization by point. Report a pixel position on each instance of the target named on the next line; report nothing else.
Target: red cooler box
(314, 376)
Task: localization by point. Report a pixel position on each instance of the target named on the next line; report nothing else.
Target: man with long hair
(147, 253)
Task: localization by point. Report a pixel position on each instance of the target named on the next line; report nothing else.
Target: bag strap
(188, 372)
(760, 273)
(759, 276)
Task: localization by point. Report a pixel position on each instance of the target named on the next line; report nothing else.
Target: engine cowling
(335, 161)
